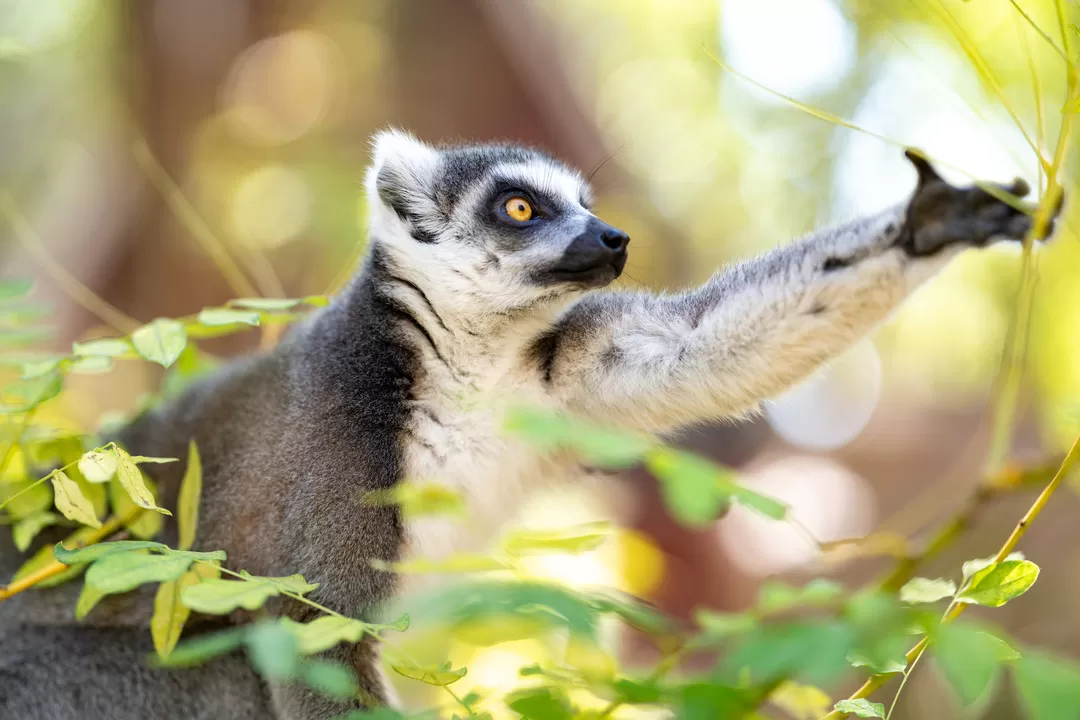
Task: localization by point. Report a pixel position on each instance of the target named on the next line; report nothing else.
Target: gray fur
(455, 314)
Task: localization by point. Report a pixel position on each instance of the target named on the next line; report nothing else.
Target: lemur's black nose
(599, 252)
(615, 239)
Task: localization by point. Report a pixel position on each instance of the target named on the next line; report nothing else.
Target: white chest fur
(457, 439)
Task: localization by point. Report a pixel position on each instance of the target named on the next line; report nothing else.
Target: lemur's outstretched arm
(658, 362)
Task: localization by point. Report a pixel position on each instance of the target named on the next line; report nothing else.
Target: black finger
(927, 174)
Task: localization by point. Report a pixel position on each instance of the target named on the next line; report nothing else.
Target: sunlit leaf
(862, 708)
(28, 528)
(924, 590)
(571, 540)
(70, 501)
(131, 478)
(215, 317)
(997, 584)
(438, 675)
(585, 654)
(599, 445)
(802, 702)
(170, 614)
(160, 341)
(325, 632)
(98, 465)
(145, 524)
(218, 597)
(107, 347)
(973, 566)
(187, 505)
(121, 572)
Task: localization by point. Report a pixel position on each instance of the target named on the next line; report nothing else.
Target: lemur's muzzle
(595, 257)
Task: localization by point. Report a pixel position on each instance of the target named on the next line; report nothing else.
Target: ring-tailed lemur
(480, 287)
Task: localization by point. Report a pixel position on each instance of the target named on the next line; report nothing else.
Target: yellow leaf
(167, 622)
(187, 506)
(591, 660)
(131, 478)
(146, 525)
(439, 676)
(71, 503)
(802, 702)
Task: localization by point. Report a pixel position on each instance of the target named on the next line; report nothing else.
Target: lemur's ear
(402, 178)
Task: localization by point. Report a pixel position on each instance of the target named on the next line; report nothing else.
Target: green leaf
(131, 478)
(862, 708)
(70, 501)
(325, 632)
(440, 675)
(709, 701)
(572, 540)
(202, 648)
(96, 551)
(997, 584)
(973, 566)
(216, 317)
(187, 505)
(970, 659)
(331, 679)
(599, 445)
(719, 626)
(812, 649)
(121, 572)
(273, 651)
(28, 528)
(1049, 687)
(218, 597)
(92, 364)
(140, 459)
(98, 465)
(689, 485)
(161, 341)
(290, 583)
(543, 703)
(761, 504)
(924, 590)
(107, 347)
(89, 596)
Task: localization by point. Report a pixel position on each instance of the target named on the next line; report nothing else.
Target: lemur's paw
(940, 214)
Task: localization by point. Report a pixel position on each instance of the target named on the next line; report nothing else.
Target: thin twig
(79, 292)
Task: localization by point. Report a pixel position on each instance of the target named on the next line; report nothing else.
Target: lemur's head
(494, 227)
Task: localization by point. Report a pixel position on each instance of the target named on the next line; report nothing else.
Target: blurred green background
(170, 154)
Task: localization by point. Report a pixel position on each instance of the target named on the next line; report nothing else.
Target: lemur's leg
(657, 362)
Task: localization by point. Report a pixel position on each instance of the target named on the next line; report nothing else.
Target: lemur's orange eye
(519, 209)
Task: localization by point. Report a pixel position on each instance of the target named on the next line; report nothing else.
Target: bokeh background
(171, 154)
